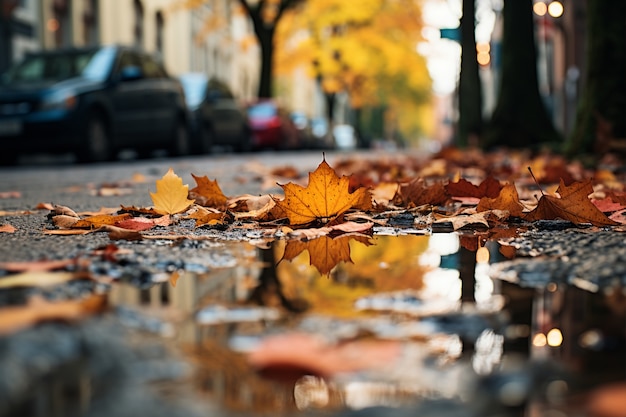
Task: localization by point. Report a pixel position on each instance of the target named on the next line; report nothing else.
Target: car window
(194, 87)
(127, 59)
(218, 90)
(99, 66)
(151, 68)
(50, 67)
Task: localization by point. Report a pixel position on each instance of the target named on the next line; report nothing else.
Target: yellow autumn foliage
(365, 48)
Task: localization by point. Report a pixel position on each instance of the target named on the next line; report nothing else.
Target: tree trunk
(601, 115)
(265, 36)
(470, 94)
(520, 118)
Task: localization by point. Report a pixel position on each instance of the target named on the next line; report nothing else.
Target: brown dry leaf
(208, 193)
(140, 211)
(416, 193)
(252, 207)
(324, 252)
(7, 228)
(574, 205)
(483, 219)
(44, 206)
(63, 211)
(207, 217)
(324, 199)
(117, 233)
(137, 224)
(100, 220)
(508, 199)
(490, 187)
(65, 222)
(171, 194)
(13, 319)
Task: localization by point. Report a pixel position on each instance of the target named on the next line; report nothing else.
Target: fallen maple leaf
(208, 193)
(171, 194)
(508, 200)
(324, 199)
(574, 205)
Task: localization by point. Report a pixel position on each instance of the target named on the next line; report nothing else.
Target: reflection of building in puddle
(186, 293)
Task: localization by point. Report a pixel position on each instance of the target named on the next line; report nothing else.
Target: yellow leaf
(171, 194)
(324, 199)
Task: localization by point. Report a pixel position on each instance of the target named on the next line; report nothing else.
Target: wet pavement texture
(418, 323)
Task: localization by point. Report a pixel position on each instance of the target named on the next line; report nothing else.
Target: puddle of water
(399, 320)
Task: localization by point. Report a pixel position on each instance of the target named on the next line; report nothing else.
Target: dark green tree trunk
(604, 96)
(520, 118)
(470, 94)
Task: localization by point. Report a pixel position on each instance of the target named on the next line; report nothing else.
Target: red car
(272, 128)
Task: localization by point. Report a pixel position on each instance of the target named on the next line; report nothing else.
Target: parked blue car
(93, 102)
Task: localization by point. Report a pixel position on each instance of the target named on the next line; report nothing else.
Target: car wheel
(206, 140)
(97, 145)
(180, 145)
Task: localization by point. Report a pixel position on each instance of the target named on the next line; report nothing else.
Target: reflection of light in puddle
(443, 284)
(311, 392)
(488, 352)
(444, 243)
(554, 337)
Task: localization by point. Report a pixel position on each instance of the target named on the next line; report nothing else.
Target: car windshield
(262, 111)
(194, 87)
(93, 64)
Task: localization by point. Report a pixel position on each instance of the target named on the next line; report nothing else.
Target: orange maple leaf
(508, 199)
(324, 199)
(574, 205)
(208, 193)
(171, 194)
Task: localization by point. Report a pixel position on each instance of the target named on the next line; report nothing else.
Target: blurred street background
(332, 74)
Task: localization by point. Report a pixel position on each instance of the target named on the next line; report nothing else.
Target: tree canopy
(366, 49)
